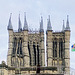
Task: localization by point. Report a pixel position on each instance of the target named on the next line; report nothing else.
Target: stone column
(32, 53)
(49, 48)
(42, 48)
(16, 58)
(40, 54)
(58, 66)
(67, 52)
(10, 47)
(25, 49)
(58, 53)
(36, 52)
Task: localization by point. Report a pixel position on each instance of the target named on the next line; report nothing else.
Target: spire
(10, 24)
(63, 26)
(20, 27)
(25, 23)
(41, 25)
(49, 24)
(67, 24)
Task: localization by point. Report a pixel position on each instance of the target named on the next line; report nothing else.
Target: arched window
(60, 48)
(14, 45)
(17, 58)
(29, 52)
(19, 50)
(55, 48)
(37, 54)
(34, 53)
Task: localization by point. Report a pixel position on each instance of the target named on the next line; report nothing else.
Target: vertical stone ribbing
(57, 52)
(67, 53)
(10, 48)
(63, 63)
(42, 48)
(58, 66)
(49, 48)
(25, 49)
(40, 55)
(36, 52)
(32, 53)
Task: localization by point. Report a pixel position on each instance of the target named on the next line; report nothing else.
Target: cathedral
(26, 50)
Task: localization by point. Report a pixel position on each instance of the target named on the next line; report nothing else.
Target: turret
(41, 25)
(67, 24)
(10, 24)
(20, 26)
(49, 27)
(10, 30)
(25, 23)
(42, 51)
(25, 46)
(49, 43)
(63, 26)
(67, 47)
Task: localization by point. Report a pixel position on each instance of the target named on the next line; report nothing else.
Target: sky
(57, 9)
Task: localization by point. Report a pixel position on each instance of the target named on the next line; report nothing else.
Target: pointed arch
(34, 47)
(29, 52)
(60, 48)
(19, 50)
(37, 54)
(55, 47)
(17, 53)
(14, 45)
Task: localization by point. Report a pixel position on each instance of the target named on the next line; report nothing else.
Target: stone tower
(26, 53)
(67, 47)
(57, 44)
(26, 47)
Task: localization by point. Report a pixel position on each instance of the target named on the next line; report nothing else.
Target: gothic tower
(58, 47)
(26, 48)
(49, 43)
(67, 47)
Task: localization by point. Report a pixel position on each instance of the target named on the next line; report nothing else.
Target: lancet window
(55, 48)
(60, 48)
(29, 52)
(19, 50)
(17, 46)
(17, 54)
(34, 47)
(37, 54)
(14, 45)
